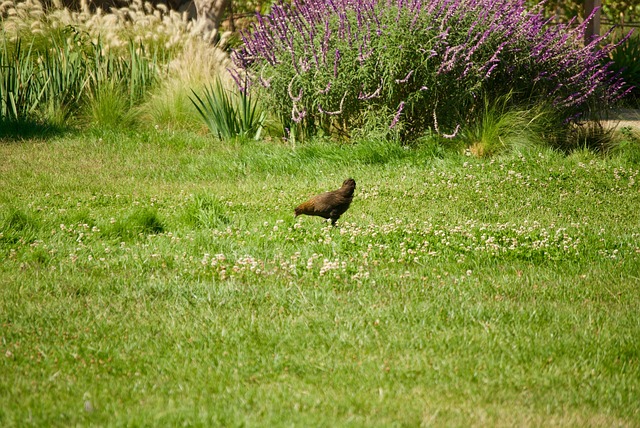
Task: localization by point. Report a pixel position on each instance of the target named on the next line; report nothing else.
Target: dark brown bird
(329, 204)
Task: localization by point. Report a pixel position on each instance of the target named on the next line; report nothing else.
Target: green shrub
(228, 113)
(502, 127)
(107, 106)
(425, 66)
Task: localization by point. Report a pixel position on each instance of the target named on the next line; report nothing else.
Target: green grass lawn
(160, 279)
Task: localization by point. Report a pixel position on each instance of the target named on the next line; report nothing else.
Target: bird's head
(349, 182)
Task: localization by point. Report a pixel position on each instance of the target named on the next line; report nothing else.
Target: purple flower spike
(336, 61)
(452, 135)
(396, 118)
(333, 113)
(326, 89)
(406, 78)
(374, 94)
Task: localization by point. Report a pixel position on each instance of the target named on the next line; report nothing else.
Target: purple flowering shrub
(420, 64)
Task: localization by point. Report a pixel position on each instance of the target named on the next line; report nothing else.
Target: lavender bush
(421, 64)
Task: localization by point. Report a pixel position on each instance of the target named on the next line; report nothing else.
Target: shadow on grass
(11, 131)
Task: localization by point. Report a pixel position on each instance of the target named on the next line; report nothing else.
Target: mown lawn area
(160, 279)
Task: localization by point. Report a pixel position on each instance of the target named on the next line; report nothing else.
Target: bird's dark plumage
(329, 204)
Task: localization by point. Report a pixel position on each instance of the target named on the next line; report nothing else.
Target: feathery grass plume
(156, 27)
(169, 104)
(427, 63)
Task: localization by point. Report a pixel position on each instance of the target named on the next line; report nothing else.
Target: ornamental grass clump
(50, 85)
(156, 27)
(118, 66)
(425, 65)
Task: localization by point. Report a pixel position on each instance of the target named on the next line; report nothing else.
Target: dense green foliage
(423, 67)
(50, 83)
(626, 60)
(613, 11)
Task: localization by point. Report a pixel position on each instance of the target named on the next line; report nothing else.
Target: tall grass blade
(229, 114)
